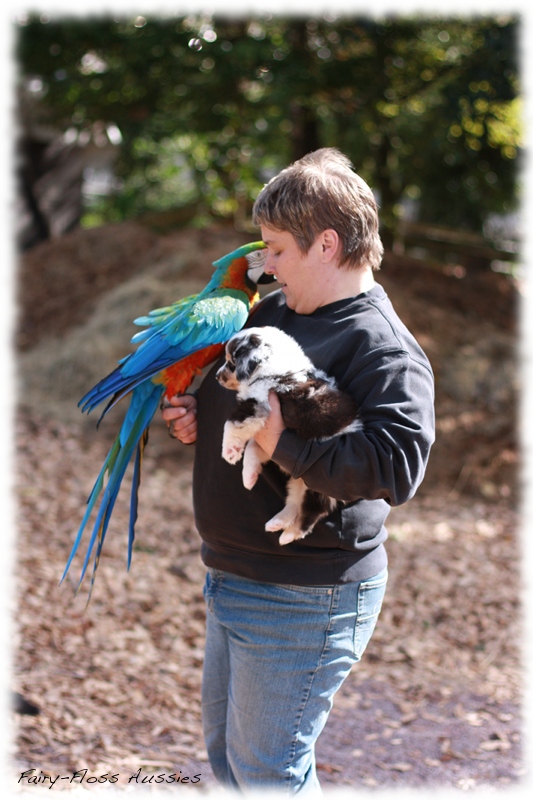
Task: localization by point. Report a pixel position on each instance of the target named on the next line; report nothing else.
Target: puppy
(261, 359)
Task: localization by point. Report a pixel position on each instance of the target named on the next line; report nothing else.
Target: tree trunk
(305, 136)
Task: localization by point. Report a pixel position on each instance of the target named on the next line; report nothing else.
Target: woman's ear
(331, 244)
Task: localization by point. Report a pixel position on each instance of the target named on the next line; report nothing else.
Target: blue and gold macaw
(179, 341)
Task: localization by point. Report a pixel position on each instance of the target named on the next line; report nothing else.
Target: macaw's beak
(266, 278)
(256, 269)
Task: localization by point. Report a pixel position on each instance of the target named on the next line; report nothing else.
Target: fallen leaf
(495, 744)
(400, 767)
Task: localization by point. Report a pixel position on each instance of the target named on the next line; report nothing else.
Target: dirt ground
(437, 701)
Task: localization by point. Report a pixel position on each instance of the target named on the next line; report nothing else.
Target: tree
(209, 108)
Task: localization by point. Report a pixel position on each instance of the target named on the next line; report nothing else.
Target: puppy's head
(245, 352)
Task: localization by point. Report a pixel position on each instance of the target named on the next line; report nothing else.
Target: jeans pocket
(213, 580)
(369, 600)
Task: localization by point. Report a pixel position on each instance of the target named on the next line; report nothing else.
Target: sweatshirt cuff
(289, 452)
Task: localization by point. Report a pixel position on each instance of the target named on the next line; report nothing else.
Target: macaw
(179, 341)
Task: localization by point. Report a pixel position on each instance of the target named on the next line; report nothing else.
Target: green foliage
(210, 108)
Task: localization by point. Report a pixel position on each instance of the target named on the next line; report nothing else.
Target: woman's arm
(387, 457)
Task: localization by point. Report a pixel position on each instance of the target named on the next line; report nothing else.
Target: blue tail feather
(104, 512)
(133, 434)
(134, 501)
(91, 501)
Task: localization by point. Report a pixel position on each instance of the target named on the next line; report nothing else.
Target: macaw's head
(243, 269)
(256, 266)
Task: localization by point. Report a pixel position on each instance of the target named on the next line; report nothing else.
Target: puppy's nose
(223, 371)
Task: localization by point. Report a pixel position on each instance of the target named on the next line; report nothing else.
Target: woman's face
(300, 276)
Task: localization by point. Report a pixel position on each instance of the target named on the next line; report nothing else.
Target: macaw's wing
(195, 316)
(175, 335)
(222, 313)
(158, 317)
(212, 319)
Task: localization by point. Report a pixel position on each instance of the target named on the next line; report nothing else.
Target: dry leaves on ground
(118, 682)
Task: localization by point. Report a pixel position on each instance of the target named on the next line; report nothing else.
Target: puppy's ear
(231, 346)
(246, 368)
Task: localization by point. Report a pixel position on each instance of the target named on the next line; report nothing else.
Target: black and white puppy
(262, 359)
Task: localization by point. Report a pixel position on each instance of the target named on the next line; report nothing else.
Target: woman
(285, 624)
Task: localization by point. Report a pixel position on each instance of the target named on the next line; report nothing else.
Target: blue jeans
(275, 656)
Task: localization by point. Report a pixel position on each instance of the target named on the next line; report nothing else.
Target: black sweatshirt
(365, 346)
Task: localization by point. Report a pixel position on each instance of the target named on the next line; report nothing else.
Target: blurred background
(188, 117)
(142, 142)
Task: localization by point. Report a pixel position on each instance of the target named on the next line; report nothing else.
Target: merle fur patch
(244, 410)
(315, 410)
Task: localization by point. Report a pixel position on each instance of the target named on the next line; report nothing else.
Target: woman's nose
(269, 266)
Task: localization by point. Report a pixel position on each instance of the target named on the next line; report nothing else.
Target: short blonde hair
(318, 192)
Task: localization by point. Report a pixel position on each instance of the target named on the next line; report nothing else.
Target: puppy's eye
(230, 366)
(241, 351)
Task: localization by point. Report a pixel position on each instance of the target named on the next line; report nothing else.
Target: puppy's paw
(291, 534)
(289, 525)
(252, 465)
(281, 521)
(287, 537)
(249, 476)
(275, 524)
(232, 451)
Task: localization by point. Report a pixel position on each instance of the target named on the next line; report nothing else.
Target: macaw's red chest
(179, 377)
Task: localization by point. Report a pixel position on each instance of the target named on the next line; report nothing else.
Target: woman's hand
(179, 414)
(267, 438)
